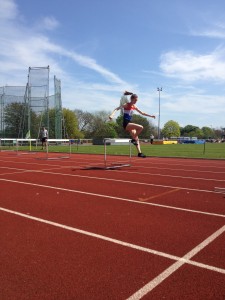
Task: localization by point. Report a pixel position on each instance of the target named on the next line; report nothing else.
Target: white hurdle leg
(130, 151)
(105, 140)
(105, 153)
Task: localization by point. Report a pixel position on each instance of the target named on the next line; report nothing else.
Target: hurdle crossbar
(114, 142)
(22, 141)
(2, 144)
(116, 165)
(47, 157)
(16, 145)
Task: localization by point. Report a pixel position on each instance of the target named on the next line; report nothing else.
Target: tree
(191, 131)
(84, 119)
(100, 127)
(208, 132)
(16, 121)
(106, 130)
(171, 129)
(219, 133)
(70, 126)
(13, 113)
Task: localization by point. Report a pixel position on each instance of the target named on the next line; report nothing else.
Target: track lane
(143, 190)
(195, 284)
(43, 262)
(154, 227)
(119, 220)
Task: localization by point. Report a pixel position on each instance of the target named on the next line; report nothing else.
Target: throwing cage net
(58, 109)
(25, 109)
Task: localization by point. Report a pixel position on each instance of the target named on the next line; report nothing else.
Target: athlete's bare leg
(135, 130)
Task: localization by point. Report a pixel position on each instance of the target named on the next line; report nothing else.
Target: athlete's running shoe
(141, 155)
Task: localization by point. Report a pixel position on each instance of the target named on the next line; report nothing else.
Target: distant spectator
(151, 138)
(44, 137)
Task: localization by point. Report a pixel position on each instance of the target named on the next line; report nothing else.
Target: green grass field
(216, 151)
(208, 151)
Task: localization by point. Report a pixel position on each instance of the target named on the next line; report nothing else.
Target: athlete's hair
(126, 93)
(133, 96)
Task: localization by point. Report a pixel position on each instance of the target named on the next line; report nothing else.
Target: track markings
(175, 176)
(18, 172)
(141, 166)
(169, 271)
(216, 165)
(115, 198)
(123, 181)
(180, 260)
(159, 195)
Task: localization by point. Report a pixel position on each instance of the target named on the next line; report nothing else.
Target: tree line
(172, 129)
(79, 124)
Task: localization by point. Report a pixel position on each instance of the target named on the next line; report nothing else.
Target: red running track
(155, 230)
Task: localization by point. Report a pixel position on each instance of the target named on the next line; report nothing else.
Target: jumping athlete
(132, 128)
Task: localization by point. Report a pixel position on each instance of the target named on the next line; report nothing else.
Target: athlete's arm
(116, 109)
(143, 113)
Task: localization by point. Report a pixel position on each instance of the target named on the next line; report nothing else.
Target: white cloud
(214, 30)
(50, 23)
(189, 66)
(22, 47)
(210, 33)
(8, 9)
(196, 104)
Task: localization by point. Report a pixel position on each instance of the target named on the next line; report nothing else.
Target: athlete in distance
(132, 128)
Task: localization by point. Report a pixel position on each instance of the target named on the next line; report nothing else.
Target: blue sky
(99, 48)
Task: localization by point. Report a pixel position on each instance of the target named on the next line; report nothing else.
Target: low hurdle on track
(59, 156)
(19, 146)
(14, 145)
(110, 166)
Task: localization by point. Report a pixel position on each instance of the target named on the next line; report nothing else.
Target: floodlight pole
(159, 90)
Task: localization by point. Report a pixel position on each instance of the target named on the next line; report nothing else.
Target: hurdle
(219, 190)
(17, 146)
(8, 145)
(56, 141)
(117, 165)
(29, 143)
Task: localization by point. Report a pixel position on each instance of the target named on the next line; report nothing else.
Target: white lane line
(115, 198)
(12, 168)
(29, 163)
(12, 173)
(119, 242)
(151, 167)
(18, 171)
(70, 161)
(46, 171)
(183, 170)
(186, 163)
(126, 181)
(169, 271)
(169, 175)
(145, 167)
